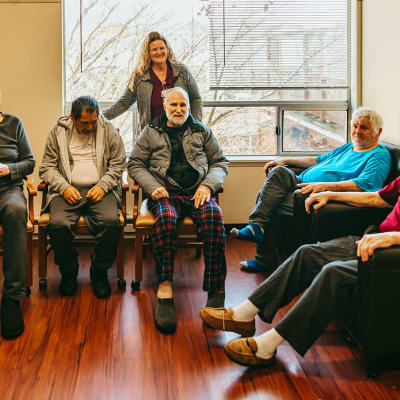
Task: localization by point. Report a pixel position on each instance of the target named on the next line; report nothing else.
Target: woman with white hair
(156, 71)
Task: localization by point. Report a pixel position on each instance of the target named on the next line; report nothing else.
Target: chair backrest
(394, 151)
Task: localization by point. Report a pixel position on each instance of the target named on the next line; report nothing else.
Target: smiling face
(362, 135)
(158, 52)
(87, 123)
(176, 109)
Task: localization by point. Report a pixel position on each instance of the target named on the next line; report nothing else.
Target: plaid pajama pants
(209, 225)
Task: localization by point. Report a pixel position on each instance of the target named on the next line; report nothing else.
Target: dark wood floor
(85, 348)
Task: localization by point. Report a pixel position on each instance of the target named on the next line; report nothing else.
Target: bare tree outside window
(112, 34)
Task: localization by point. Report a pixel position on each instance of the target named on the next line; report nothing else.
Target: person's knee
(213, 213)
(330, 272)
(57, 222)
(111, 219)
(278, 171)
(168, 218)
(307, 250)
(16, 211)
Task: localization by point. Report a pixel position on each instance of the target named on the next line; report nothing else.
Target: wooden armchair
(80, 229)
(143, 221)
(32, 192)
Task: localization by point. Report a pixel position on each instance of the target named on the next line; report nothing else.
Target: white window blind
(279, 44)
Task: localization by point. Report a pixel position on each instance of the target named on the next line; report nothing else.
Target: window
(249, 119)
(279, 44)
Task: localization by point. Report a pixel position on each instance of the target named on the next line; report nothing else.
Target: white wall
(381, 63)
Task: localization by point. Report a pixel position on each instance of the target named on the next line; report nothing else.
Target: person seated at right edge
(360, 165)
(326, 273)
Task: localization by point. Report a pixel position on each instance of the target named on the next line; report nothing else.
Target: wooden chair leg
(147, 239)
(138, 259)
(121, 283)
(42, 258)
(198, 249)
(29, 253)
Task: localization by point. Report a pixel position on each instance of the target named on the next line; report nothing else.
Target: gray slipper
(165, 315)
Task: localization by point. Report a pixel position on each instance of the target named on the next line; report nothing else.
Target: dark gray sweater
(15, 151)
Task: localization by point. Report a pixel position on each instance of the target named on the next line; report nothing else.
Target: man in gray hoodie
(83, 162)
(179, 165)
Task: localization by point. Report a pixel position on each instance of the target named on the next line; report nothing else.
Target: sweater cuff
(103, 186)
(13, 171)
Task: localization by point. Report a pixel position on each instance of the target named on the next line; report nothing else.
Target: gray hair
(176, 89)
(367, 112)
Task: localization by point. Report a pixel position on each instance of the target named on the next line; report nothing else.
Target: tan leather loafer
(221, 318)
(243, 351)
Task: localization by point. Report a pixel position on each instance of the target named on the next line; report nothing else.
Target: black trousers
(13, 218)
(327, 273)
(103, 222)
(275, 197)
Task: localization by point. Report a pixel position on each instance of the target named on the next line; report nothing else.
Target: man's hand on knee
(274, 163)
(95, 194)
(160, 193)
(202, 194)
(72, 195)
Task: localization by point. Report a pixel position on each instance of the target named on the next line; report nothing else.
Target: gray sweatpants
(102, 220)
(13, 217)
(327, 273)
(275, 197)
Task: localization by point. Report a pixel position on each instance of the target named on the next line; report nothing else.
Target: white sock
(246, 311)
(267, 343)
(164, 290)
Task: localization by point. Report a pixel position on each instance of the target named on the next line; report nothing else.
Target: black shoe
(12, 323)
(68, 285)
(215, 299)
(101, 286)
(165, 315)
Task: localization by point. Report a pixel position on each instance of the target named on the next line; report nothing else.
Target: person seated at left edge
(16, 162)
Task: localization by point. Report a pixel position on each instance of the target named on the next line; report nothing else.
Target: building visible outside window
(274, 75)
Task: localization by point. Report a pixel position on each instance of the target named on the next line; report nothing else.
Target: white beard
(177, 121)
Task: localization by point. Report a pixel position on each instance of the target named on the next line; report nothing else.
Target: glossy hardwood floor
(85, 348)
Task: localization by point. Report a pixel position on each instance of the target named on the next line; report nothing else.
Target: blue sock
(252, 233)
(252, 266)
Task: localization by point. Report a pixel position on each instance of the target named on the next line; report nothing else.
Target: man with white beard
(180, 166)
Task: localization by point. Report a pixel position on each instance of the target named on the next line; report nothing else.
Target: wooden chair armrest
(124, 182)
(30, 186)
(135, 191)
(125, 188)
(42, 186)
(31, 193)
(135, 187)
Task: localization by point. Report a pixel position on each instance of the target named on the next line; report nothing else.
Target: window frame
(280, 106)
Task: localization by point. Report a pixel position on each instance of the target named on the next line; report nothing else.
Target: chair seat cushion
(44, 219)
(146, 217)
